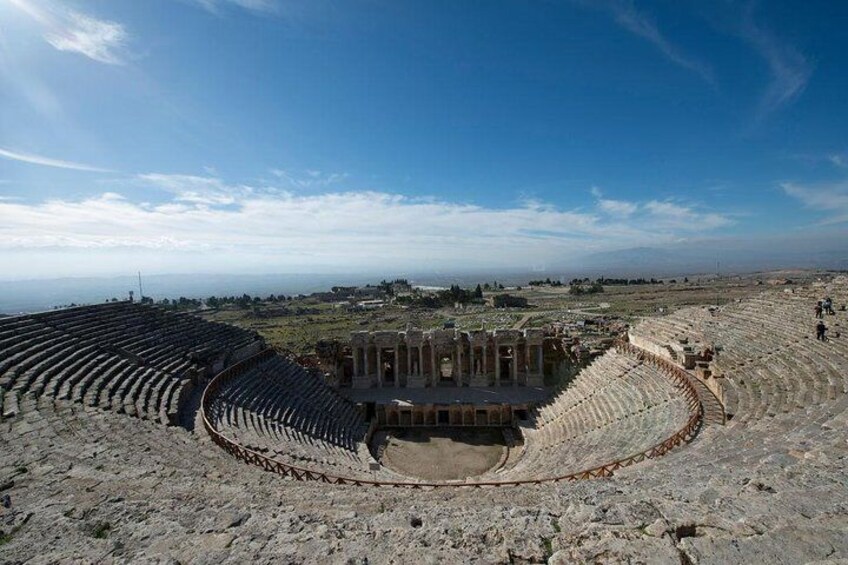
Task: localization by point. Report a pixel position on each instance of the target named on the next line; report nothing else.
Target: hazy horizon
(35, 295)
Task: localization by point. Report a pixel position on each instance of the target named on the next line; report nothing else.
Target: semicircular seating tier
(617, 407)
(131, 358)
(278, 409)
(766, 360)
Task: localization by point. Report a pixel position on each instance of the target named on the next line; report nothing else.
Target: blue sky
(276, 136)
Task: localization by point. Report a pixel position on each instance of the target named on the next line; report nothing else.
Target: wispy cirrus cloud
(620, 208)
(660, 215)
(790, 70)
(68, 30)
(49, 162)
(829, 199)
(617, 207)
(667, 215)
(310, 178)
(639, 23)
(838, 160)
(208, 190)
(218, 6)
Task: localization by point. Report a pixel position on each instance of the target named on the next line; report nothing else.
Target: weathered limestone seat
(617, 407)
(125, 357)
(766, 352)
(278, 409)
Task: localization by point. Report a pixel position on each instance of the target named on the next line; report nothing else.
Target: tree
(478, 292)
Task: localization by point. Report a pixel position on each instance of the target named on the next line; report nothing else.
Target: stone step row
(78, 355)
(767, 352)
(283, 412)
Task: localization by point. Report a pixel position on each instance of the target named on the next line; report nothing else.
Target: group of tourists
(824, 307)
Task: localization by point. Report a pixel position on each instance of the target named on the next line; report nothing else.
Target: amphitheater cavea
(712, 435)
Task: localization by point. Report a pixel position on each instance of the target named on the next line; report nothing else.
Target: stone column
(366, 369)
(355, 361)
(540, 361)
(433, 374)
(396, 368)
(378, 350)
(471, 365)
(485, 361)
(420, 360)
(408, 363)
(515, 365)
(497, 364)
(459, 364)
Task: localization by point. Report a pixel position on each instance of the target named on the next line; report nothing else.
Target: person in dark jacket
(820, 331)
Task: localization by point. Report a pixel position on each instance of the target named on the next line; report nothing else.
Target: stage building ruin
(444, 358)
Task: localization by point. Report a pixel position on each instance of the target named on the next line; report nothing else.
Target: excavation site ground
(441, 454)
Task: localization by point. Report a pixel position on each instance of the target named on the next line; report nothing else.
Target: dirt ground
(443, 454)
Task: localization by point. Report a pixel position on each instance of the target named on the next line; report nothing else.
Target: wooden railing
(676, 374)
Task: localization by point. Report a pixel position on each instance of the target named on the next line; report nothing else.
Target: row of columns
(415, 362)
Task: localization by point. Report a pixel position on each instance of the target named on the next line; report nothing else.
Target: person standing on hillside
(819, 309)
(820, 331)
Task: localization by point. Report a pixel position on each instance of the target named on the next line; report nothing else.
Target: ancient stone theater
(710, 435)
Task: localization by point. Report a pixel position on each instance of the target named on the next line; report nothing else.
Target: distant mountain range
(712, 257)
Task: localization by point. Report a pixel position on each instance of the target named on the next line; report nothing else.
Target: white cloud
(96, 39)
(831, 199)
(617, 207)
(48, 162)
(233, 226)
(196, 189)
(672, 216)
(68, 30)
(659, 215)
(625, 14)
(308, 178)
